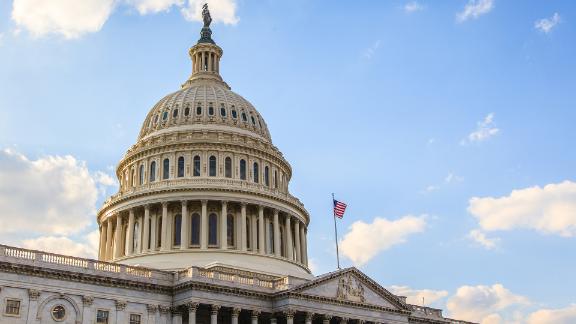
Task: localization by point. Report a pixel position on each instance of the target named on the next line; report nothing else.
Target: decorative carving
(327, 317)
(192, 307)
(33, 294)
(164, 309)
(309, 317)
(236, 311)
(350, 288)
(255, 313)
(87, 300)
(152, 309)
(120, 305)
(289, 313)
(215, 309)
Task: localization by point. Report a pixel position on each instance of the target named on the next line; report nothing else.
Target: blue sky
(399, 107)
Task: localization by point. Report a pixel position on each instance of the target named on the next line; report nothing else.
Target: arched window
(196, 166)
(187, 111)
(212, 166)
(177, 229)
(243, 169)
(165, 115)
(244, 118)
(166, 169)
(175, 113)
(230, 230)
(132, 178)
(213, 229)
(180, 167)
(159, 232)
(228, 167)
(153, 171)
(256, 173)
(210, 110)
(234, 114)
(275, 179)
(136, 238)
(267, 176)
(253, 120)
(141, 174)
(222, 111)
(199, 110)
(195, 229)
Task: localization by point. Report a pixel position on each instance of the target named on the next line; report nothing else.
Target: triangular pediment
(350, 285)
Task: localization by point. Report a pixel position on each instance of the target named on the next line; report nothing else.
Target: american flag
(339, 208)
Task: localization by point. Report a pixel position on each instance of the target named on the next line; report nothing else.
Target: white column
(102, 246)
(326, 319)
(152, 309)
(130, 236)
(243, 227)
(210, 63)
(185, 228)
(87, 313)
(154, 232)
(308, 319)
(204, 226)
(164, 239)
(254, 230)
(276, 235)
(254, 317)
(261, 238)
(145, 227)
(108, 239)
(118, 237)
(235, 314)
(176, 317)
(33, 296)
(289, 316)
(288, 230)
(120, 314)
(297, 240)
(192, 307)
(214, 314)
(202, 64)
(224, 226)
(303, 247)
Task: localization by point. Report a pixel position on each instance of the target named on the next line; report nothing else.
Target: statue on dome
(206, 16)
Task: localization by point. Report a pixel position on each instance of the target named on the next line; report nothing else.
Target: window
(222, 111)
(159, 232)
(256, 173)
(267, 176)
(12, 307)
(243, 169)
(234, 114)
(187, 112)
(210, 110)
(177, 229)
(102, 316)
(153, 171)
(135, 319)
(228, 167)
(141, 174)
(244, 118)
(175, 113)
(199, 110)
(165, 115)
(196, 166)
(213, 229)
(166, 169)
(275, 179)
(212, 166)
(195, 227)
(230, 230)
(180, 167)
(58, 313)
(132, 180)
(253, 120)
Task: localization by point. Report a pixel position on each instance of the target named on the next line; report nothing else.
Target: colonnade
(207, 60)
(204, 225)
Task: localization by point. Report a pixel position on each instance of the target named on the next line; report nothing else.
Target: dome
(204, 104)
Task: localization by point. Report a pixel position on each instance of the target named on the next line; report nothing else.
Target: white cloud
(69, 18)
(154, 6)
(1, 38)
(481, 238)
(413, 6)
(557, 316)
(371, 51)
(415, 295)
(550, 209)
(475, 9)
(484, 130)
(66, 246)
(220, 10)
(473, 303)
(453, 178)
(547, 24)
(382, 234)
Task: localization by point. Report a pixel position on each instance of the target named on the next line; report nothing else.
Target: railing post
(38, 256)
(2, 250)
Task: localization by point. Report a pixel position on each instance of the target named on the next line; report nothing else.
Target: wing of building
(203, 230)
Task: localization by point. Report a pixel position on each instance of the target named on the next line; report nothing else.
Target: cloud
(371, 51)
(475, 9)
(481, 238)
(415, 295)
(484, 130)
(451, 178)
(413, 6)
(546, 25)
(557, 316)
(154, 6)
(69, 18)
(473, 303)
(220, 10)
(550, 209)
(64, 245)
(383, 235)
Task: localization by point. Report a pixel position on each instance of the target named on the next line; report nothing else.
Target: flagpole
(335, 233)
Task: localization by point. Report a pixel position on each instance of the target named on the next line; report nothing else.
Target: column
(289, 316)
(288, 235)
(261, 238)
(255, 314)
(118, 237)
(102, 246)
(176, 316)
(235, 314)
(254, 230)
(130, 236)
(145, 227)
(343, 320)
(326, 319)
(120, 314)
(224, 226)
(202, 62)
(87, 313)
(164, 236)
(273, 320)
(164, 314)
(204, 226)
(214, 314)
(297, 239)
(108, 239)
(33, 296)
(276, 235)
(152, 309)
(303, 246)
(243, 227)
(192, 307)
(308, 319)
(210, 56)
(154, 232)
(185, 228)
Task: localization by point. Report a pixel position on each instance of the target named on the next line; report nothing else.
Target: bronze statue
(206, 16)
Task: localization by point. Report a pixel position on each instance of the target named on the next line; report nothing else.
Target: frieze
(349, 288)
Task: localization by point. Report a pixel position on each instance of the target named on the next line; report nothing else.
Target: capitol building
(203, 230)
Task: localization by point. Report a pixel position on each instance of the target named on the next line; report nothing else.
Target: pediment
(350, 285)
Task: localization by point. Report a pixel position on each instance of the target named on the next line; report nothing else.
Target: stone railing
(87, 266)
(426, 311)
